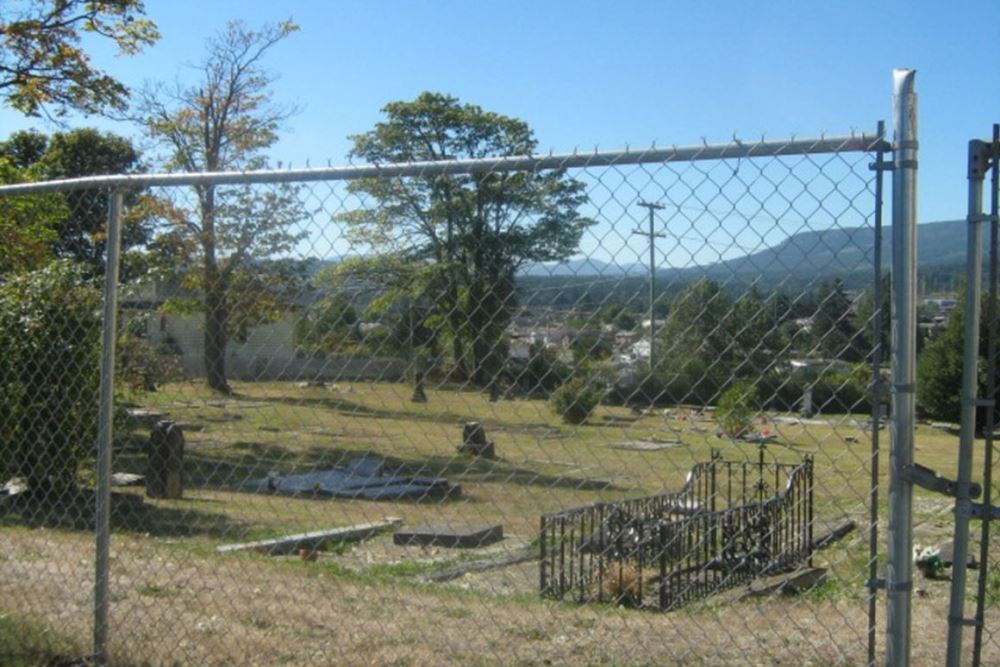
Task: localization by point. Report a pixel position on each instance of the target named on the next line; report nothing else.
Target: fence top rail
(853, 143)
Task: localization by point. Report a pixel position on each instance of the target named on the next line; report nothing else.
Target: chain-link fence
(607, 408)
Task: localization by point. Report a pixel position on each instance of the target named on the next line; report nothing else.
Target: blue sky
(587, 73)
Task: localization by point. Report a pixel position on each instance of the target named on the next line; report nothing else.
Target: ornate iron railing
(731, 522)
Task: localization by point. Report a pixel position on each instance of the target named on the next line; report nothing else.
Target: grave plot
(731, 523)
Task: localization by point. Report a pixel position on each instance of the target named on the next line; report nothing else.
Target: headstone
(807, 403)
(474, 441)
(165, 467)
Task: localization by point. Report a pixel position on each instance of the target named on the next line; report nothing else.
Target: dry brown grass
(214, 611)
(175, 601)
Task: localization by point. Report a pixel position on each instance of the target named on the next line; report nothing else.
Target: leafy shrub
(576, 399)
(834, 391)
(50, 334)
(736, 407)
(538, 376)
(143, 364)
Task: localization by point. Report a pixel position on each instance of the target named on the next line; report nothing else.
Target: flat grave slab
(451, 537)
(646, 445)
(363, 478)
(312, 540)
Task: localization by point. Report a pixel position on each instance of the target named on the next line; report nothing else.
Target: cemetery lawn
(176, 600)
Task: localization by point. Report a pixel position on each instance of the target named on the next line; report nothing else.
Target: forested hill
(800, 261)
(843, 253)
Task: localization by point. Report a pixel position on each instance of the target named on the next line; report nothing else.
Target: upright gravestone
(165, 465)
(474, 441)
(808, 409)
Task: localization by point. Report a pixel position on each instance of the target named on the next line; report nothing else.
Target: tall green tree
(939, 367)
(477, 228)
(28, 223)
(865, 319)
(43, 68)
(226, 246)
(686, 359)
(329, 326)
(408, 292)
(711, 340)
(85, 152)
(834, 333)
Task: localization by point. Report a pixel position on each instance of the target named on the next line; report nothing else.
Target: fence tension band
(967, 622)
(982, 217)
(928, 479)
(882, 165)
(883, 585)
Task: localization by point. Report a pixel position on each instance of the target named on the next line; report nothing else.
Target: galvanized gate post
(978, 161)
(904, 311)
(877, 407)
(991, 396)
(105, 431)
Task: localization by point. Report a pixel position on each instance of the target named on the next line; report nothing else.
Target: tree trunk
(456, 322)
(216, 339)
(216, 312)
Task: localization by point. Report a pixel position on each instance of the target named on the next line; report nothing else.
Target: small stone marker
(807, 410)
(451, 537)
(474, 441)
(165, 468)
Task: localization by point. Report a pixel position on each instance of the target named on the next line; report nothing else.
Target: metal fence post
(991, 395)
(877, 394)
(105, 430)
(904, 309)
(970, 366)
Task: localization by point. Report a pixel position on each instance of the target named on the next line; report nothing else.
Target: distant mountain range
(845, 253)
(799, 261)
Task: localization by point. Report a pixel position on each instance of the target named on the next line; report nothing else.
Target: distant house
(268, 352)
(640, 350)
(625, 339)
(943, 304)
(818, 365)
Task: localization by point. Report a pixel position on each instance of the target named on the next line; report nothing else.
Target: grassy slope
(175, 599)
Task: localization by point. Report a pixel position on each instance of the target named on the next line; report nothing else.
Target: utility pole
(652, 235)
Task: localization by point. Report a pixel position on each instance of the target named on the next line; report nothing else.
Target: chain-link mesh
(347, 406)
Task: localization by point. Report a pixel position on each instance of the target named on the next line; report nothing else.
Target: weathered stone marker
(808, 410)
(165, 464)
(474, 441)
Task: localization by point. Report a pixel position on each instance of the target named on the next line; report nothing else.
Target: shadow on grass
(353, 409)
(130, 513)
(229, 467)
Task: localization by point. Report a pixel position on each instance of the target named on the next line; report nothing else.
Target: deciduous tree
(43, 68)
(477, 228)
(228, 243)
(80, 229)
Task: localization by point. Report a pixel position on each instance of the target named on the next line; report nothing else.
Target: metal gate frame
(984, 156)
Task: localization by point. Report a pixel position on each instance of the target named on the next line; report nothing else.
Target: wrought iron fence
(725, 527)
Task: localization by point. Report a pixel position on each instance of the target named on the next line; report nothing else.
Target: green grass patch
(24, 643)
